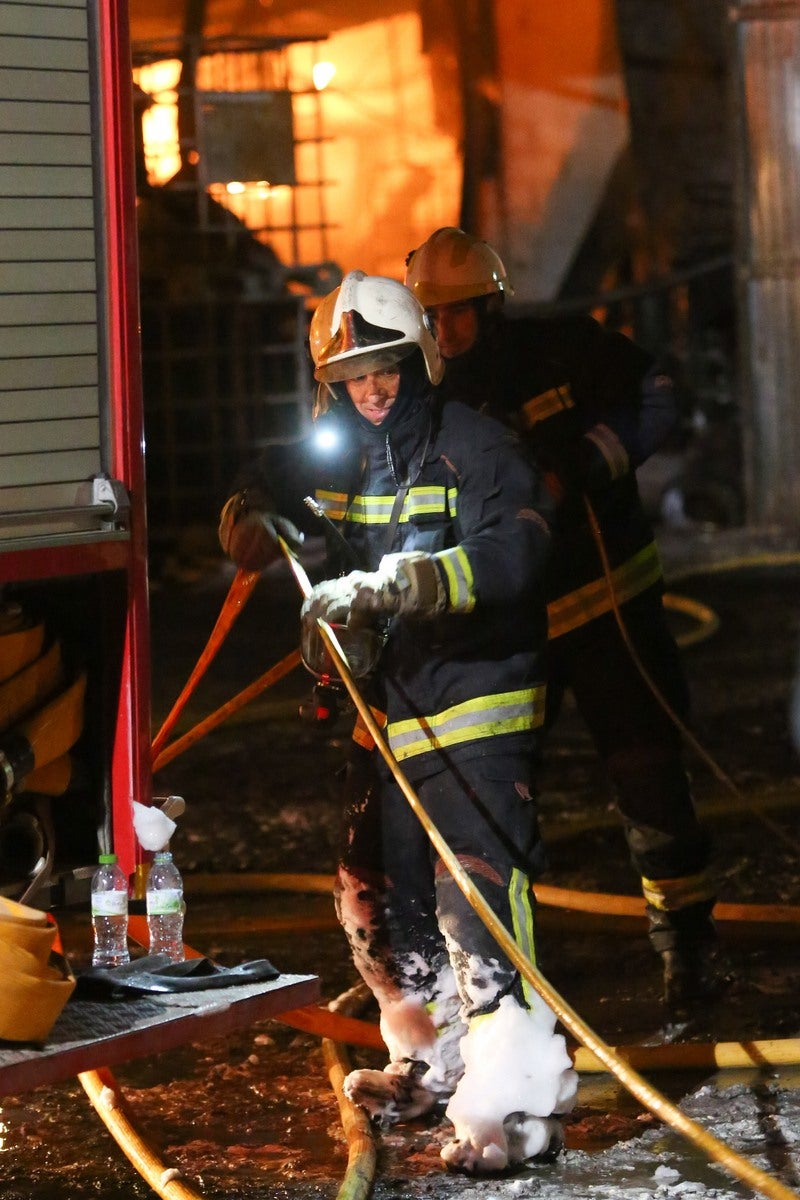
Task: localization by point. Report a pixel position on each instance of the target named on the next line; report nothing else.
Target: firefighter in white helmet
(449, 525)
(592, 406)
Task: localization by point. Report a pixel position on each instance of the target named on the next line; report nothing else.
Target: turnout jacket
(453, 483)
(591, 406)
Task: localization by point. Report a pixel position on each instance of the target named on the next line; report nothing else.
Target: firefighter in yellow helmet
(447, 523)
(592, 406)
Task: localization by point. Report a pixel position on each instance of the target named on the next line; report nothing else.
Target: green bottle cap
(107, 858)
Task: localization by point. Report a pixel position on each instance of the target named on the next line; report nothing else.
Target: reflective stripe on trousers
(481, 717)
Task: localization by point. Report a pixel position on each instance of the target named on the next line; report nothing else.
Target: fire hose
(597, 1055)
(650, 1097)
(238, 595)
(546, 895)
(658, 695)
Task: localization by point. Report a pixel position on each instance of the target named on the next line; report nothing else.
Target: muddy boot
(695, 973)
(532, 1139)
(491, 1148)
(392, 1095)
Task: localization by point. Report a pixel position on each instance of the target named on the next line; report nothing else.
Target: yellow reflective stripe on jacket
(546, 404)
(425, 500)
(459, 580)
(593, 599)
(520, 898)
(611, 448)
(667, 895)
(482, 717)
(361, 735)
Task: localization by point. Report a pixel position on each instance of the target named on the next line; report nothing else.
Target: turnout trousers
(640, 747)
(416, 941)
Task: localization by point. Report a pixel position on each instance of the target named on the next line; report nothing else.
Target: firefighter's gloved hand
(332, 599)
(405, 585)
(332, 602)
(248, 531)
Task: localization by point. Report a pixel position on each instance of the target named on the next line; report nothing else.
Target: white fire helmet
(368, 323)
(452, 266)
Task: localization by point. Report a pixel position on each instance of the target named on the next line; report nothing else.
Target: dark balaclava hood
(412, 397)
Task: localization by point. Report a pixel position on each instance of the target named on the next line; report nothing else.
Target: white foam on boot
(514, 1062)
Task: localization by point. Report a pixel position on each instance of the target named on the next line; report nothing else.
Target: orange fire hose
(238, 595)
(772, 1052)
(548, 895)
(226, 710)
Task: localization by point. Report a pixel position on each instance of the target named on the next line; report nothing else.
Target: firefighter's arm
(405, 585)
(625, 437)
(628, 408)
(504, 515)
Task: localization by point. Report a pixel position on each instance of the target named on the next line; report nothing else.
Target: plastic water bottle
(110, 914)
(164, 902)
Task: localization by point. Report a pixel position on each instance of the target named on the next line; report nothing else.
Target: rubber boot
(392, 1095)
(694, 971)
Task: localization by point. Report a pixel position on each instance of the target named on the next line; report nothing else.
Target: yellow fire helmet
(368, 323)
(453, 265)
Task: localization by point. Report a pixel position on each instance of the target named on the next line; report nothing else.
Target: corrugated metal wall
(766, 37)
(50, 373)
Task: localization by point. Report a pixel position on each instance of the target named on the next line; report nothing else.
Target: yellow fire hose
(26, 690)
(362, 1155)
(43, 736)
(21, 641)
(700, 1056)
(593, 1055)
(707, 620)
(650, 1097)
(108, 1101)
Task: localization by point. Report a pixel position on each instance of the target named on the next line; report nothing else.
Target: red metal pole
(130, 772)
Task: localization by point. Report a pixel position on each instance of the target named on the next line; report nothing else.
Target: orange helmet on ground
(453, 265)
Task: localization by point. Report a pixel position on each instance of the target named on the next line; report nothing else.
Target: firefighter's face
(374, 394)
(455, 326)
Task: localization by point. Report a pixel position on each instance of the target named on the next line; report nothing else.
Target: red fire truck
(75, 736)
(72, 504)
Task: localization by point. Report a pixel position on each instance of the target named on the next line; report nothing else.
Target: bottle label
(165, 902)
(109, 904)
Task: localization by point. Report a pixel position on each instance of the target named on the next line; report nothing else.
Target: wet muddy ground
(254, 1115)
